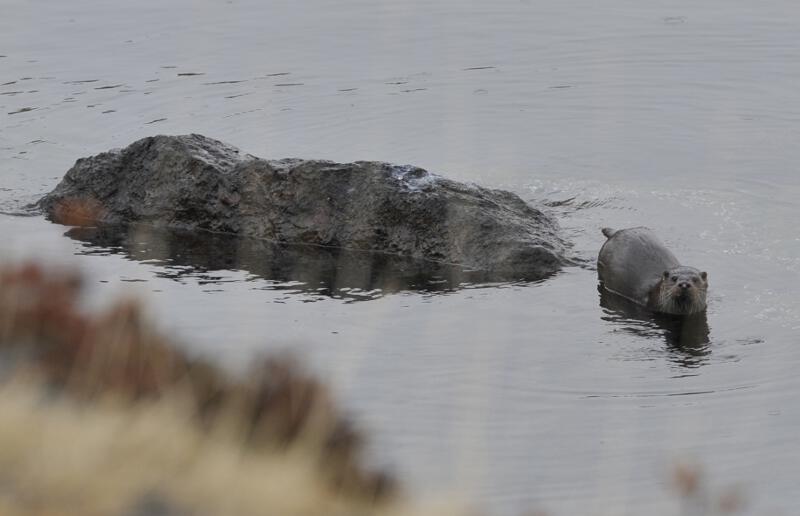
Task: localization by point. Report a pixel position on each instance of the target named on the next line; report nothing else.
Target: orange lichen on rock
(78, 211)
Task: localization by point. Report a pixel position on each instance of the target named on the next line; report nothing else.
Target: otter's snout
(684, 285)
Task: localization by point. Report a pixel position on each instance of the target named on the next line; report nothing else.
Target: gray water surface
(682, 116)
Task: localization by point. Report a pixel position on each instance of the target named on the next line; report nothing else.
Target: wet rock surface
(196, 183)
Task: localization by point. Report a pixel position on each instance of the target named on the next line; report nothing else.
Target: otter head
(681, 291)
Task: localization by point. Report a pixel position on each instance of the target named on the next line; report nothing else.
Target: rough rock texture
(196, 183)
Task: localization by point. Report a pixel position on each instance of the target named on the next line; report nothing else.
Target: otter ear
(704, 275)
(666, 274)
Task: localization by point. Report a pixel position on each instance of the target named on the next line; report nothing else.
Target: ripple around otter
(315, 271)
(687, 338)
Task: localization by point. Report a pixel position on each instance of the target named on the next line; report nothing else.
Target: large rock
(196, 183)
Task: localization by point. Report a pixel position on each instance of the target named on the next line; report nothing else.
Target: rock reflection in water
(686, 337)
(314, 271)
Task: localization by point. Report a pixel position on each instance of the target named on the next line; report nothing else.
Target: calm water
(681, 117)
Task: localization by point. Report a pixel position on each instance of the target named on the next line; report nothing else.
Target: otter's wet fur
(635, 264)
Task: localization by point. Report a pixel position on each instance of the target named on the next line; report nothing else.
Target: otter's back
(631, 262)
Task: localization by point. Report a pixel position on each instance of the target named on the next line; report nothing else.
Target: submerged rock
(197, 183)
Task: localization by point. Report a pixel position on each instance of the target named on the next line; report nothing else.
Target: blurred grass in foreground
(102, 415)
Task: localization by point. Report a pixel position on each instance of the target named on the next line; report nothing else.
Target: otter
(635, 264)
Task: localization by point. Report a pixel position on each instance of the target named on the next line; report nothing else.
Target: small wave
(20, 208)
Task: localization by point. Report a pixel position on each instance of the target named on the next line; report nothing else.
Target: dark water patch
(560, 87)
(223, 82)
(675, 20)
(315, 271)
(22, 110)
(86, 81)
(668, 394)
(574, 204)
(26, 78)
(32, 91)
(11, 92)
(478, 68)
(278, 74)
(396, 83)
(238, 95)
(559, 203)
(109, 87)
(8, 83)
(749, 341)
(413, 90)
(290, 84)
(168, 67)
(18, 207)
(155, 121)
(152, 80)
(107, 111)
(239, 113)
(648, 394)
(36, 142)
(347, 89)
(586, 263)
(190, 74)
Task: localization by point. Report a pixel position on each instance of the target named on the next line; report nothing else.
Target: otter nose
(684, 285)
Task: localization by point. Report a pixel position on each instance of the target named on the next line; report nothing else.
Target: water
(676, 115)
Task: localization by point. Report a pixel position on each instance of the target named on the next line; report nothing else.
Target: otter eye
(674, 278)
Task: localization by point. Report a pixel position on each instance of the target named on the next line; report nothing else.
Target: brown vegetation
(141, 423)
